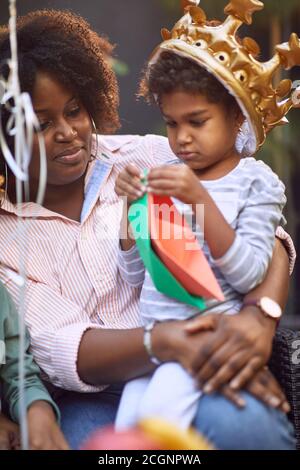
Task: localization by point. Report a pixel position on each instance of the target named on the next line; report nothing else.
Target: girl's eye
(170, 124)
(197, 123)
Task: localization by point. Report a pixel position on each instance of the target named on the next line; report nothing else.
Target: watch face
(270, 307)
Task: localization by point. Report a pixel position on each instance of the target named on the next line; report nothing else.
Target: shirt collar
(104, 148)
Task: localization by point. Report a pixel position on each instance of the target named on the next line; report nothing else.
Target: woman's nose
(65, 131)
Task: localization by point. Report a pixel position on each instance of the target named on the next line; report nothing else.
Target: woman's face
(67, 131)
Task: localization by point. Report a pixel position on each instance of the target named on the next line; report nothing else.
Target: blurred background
(134, 27)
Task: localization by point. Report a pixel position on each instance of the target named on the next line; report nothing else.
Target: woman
(83, 319)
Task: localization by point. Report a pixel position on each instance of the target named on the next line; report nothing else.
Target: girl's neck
(219, 169)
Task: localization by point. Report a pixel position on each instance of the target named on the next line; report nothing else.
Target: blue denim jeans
(256, 427)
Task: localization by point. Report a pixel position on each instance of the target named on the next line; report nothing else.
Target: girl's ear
(239, 118)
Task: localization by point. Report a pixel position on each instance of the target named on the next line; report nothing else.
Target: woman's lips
(70, 158)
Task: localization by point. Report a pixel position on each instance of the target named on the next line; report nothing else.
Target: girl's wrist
(201, 196)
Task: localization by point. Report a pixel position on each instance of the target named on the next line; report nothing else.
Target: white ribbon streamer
(21, 126)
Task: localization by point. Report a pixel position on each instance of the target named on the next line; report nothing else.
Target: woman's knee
(254, 427)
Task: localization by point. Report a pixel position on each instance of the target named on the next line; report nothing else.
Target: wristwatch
(268, 307)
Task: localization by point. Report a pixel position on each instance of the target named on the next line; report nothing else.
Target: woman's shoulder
(118, 143)
(155, 149)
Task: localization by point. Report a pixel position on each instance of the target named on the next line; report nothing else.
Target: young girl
(243, 202)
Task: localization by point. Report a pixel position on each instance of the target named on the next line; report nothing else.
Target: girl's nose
(183, 136)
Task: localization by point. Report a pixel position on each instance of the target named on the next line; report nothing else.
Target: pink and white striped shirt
(73, 281)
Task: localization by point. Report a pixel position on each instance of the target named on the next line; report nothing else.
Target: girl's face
(200, 133)
(67, 131)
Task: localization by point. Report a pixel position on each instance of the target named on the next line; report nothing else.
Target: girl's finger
(169, 184)
(131, 180)
(134, 171)
(127, 190)
(163, 172)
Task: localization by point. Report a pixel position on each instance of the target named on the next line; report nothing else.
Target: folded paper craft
(163, 279)
(179, 250)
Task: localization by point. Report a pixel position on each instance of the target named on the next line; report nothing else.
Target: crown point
(251, 46)
(166, 34)
(243, 9)
(284, 88)
(188, 3)
(198, 15)
(290, 52)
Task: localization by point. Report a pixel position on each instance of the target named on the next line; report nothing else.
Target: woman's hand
(9, 434)
(230, 350)
(239, 347)
(264, 387)
(44, 432)
(170, 341)
(129, 184)
(178, 181)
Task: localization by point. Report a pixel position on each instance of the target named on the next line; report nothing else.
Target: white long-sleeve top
(251, 198)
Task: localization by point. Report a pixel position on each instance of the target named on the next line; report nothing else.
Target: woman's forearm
(109, 356)
(276, 282)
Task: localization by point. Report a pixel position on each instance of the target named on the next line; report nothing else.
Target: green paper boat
(163, 280)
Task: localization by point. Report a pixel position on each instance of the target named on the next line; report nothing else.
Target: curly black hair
(172, 72)
(63, 44)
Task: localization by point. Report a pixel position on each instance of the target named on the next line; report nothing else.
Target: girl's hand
(177, 181)
(9, 434)
(44, 432)
(129, 184)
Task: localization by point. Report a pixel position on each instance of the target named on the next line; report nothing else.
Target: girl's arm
(242, 255)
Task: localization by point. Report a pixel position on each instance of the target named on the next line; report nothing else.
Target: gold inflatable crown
(232, 61)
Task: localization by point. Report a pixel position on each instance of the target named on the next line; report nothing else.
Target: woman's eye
(75, 111)
(44, 125)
